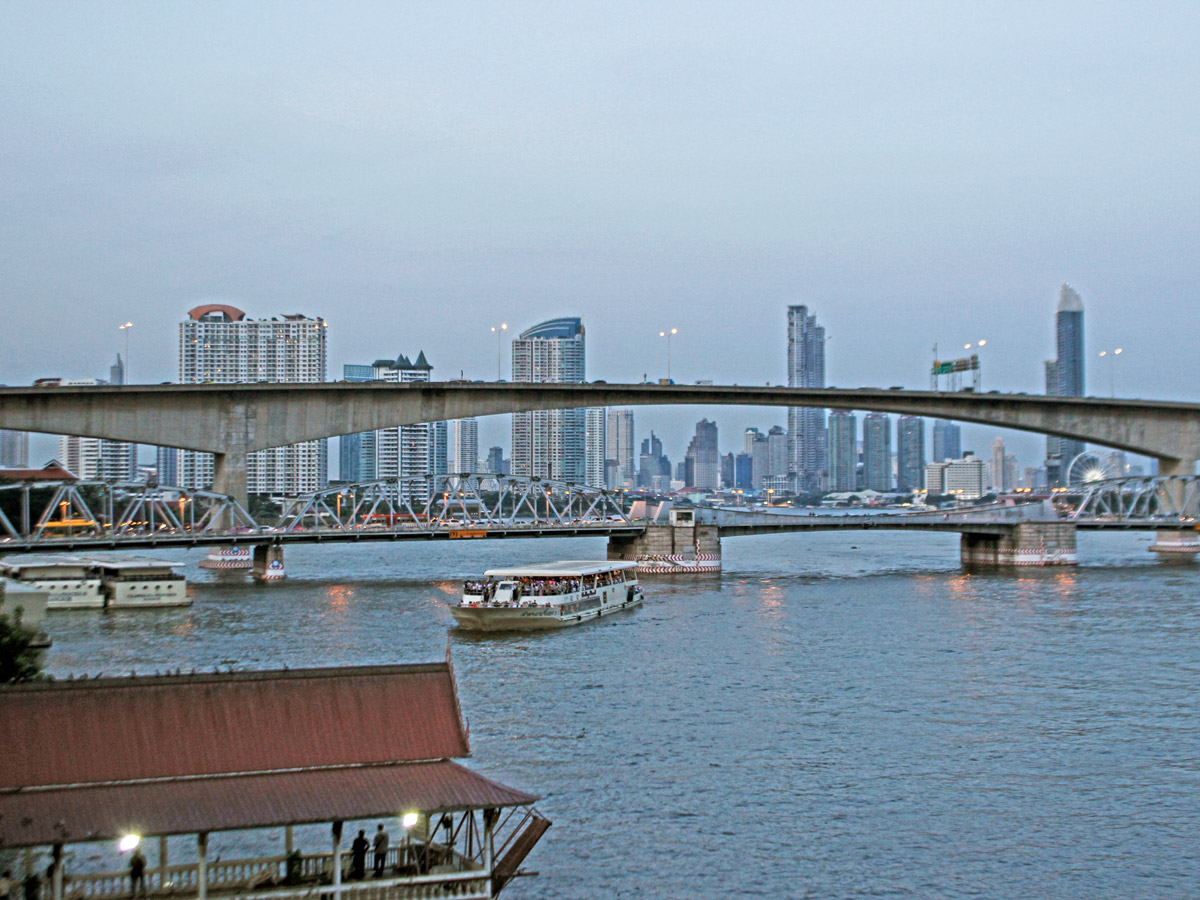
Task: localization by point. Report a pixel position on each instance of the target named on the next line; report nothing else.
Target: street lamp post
(126, 328)
(1112, 367)
(499, 330)
(667, 335)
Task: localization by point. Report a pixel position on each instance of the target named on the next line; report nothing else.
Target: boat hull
(531, 618)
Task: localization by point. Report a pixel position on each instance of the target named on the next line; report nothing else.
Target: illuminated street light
(1112, 365)
(129, 842)
(499, 331)
(668, 335)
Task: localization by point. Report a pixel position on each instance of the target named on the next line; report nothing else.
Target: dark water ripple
(817, 722)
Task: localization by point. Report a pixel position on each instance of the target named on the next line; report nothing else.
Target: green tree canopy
(20, 660)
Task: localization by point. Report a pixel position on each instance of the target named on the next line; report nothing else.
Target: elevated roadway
(231, 421)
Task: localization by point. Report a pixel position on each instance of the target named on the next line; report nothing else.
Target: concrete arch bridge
(231, 421)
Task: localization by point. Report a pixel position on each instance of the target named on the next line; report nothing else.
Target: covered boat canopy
(572, 568)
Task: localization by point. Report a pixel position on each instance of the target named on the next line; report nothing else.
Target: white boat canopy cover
(571, 568)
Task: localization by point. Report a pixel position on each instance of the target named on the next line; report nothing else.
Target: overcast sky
(416, 173)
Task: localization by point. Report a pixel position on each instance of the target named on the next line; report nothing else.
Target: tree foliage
(20, 660)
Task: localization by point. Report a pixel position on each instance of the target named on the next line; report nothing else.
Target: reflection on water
(818, 721)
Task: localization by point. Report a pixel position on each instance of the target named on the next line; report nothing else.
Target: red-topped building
(120, 760)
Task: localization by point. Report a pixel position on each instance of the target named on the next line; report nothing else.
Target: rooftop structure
(194, 754)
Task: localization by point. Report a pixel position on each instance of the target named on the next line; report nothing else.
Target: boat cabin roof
(571, 568)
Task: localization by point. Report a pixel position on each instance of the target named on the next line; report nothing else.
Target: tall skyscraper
(166, 463)
(947, 441)
(654, 469)
(999, 484)
(219, 345)
(495, 460)
(705, 459)
(595, 445)
(806, 427)
(619, 441)
(910, 453)
(356, 452)
(843, 450)
(877, 451)
(116, 372)
(14, 449)
(1065, 378)
(466, 445)
(550, 443)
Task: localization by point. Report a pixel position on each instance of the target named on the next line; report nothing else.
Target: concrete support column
(1026, 544)
(229, 477)
(202, 865)
(162, 862)
(268, 562)
(287, 840)
(1176, 546)
(336, 859)
(490, 817)
(56, 872)
(671, 549)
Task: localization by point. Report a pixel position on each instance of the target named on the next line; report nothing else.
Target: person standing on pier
(358, 856)
(137, 873)
(380, 845)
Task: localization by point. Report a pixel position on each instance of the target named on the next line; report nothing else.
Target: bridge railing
(46, 511)
(455, 501)
(1158, 498)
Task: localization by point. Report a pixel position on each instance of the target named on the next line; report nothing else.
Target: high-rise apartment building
(843, 450)
(778, 449)
(964, 479)
(806, 427)
(947, 440)
(1065, 378)
(877, 452)
(595, 445)
(550, 443)
(703, 458)
(409, 451)
(619, 440)
(219, 345)
(910, 453)
(465, 445)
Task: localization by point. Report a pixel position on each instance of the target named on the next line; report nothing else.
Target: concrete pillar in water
(268, 562)
(1176, 546)
(1027, 544)
(679, 549)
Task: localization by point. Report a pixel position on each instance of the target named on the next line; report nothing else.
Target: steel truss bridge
(81, 515)
(78, 515)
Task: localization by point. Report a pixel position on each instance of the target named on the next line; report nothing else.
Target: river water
(836, 715)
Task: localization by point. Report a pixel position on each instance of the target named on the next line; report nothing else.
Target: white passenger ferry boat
(550, 595)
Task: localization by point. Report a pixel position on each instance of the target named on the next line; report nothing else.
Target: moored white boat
(549, 595)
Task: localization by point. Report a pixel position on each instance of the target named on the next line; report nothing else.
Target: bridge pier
(1176, 546)
(1026, 544)
(268, 562)
(684, 547)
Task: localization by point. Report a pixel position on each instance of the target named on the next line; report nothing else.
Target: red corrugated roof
(122, 729)
(102, 812)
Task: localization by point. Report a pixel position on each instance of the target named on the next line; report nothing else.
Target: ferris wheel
(1088, 467)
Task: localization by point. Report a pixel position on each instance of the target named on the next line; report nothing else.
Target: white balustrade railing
(265, 877)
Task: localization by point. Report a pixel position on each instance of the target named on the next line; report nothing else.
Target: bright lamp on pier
(408, 820)
(129, 842)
